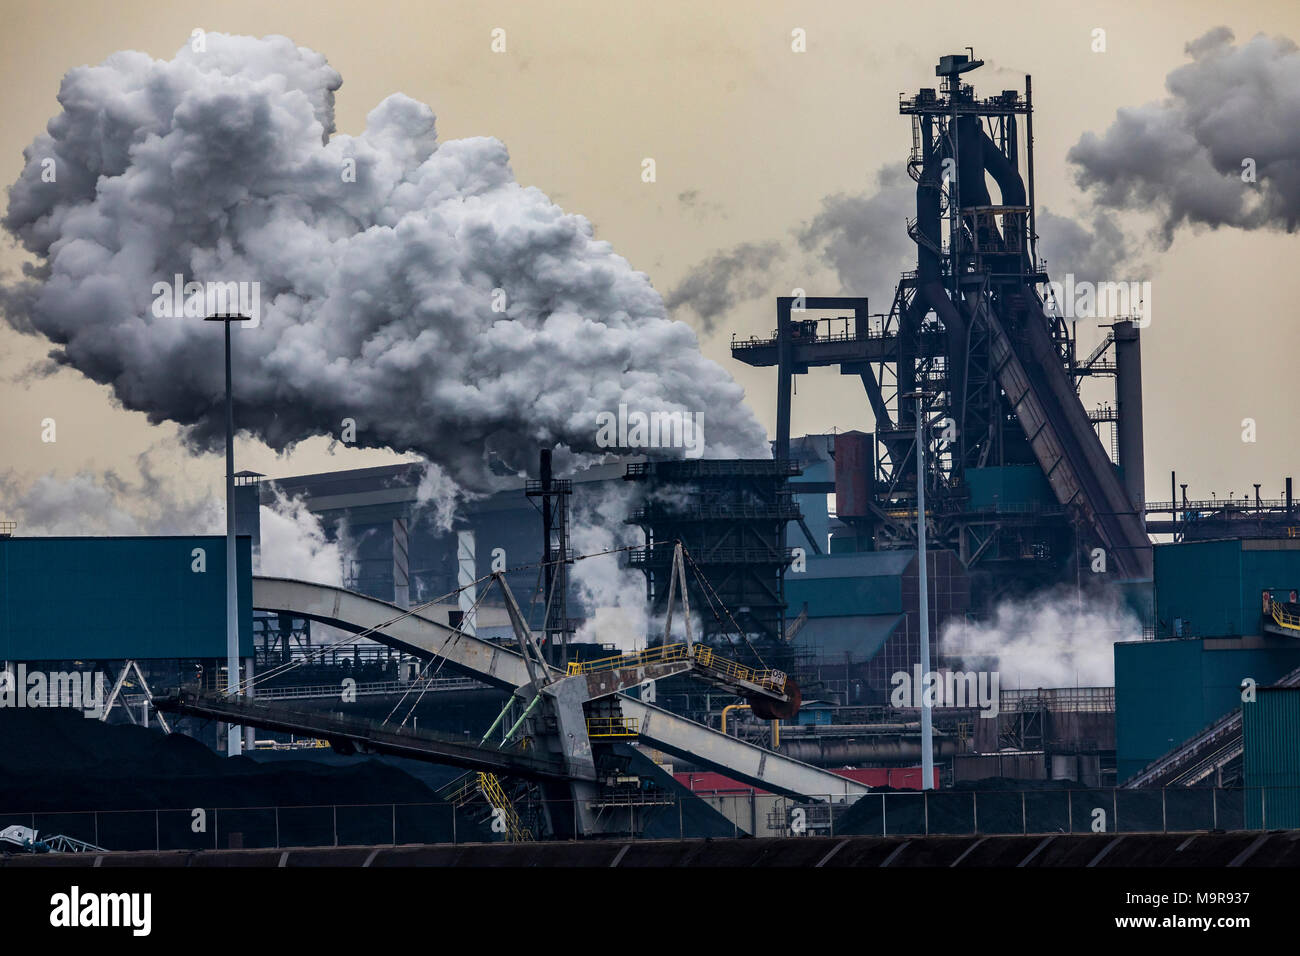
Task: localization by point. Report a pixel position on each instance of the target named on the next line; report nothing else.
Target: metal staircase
(469, 788)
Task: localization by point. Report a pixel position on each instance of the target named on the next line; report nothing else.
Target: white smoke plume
(1051, 640)
(613, 594)
(437, 497)
(408, 285)
(1230, 109)
(293, 543)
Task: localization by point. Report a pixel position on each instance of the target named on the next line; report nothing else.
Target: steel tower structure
(973, 326)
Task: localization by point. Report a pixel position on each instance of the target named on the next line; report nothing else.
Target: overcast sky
(749, 139)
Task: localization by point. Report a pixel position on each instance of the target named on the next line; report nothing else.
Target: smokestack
(1288, 495)
(1128, 401)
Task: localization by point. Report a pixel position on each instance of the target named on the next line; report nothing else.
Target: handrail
(1285, 618)
(492, 792)
(613, 727)
(767, 679)
(663, 654)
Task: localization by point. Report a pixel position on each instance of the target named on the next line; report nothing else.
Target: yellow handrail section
(612, 727)
(491, 787)
(1285, 618)
(768, 679)
(663, 654)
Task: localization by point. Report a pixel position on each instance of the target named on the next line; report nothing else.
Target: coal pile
(127, 787)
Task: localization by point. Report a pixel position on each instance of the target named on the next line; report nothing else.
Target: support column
(466, 565)
(401, 565)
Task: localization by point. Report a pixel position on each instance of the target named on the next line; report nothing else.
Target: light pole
(234, 738)
(927, 727)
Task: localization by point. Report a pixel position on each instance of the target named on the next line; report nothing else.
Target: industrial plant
(639, 646)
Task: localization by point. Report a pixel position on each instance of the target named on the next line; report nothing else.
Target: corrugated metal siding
(1166, 691)
(113, 598)
(1271, 761)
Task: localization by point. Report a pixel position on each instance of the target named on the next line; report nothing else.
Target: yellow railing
(612, 727)
(663, 654)
(491, 788)
(768, 679)
(670, 653)
(1285, 618)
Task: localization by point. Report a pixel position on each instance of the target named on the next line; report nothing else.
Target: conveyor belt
(423, 634)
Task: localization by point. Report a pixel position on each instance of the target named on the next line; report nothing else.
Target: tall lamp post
(927, 727)
(234, 734)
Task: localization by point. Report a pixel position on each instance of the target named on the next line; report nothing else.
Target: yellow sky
(714, 94)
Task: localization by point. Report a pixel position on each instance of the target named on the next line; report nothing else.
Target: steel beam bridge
(421, 634)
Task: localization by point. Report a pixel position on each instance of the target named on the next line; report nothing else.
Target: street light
(927, 727)
(234, 739)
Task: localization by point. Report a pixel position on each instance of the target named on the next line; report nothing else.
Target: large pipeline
(841, 751)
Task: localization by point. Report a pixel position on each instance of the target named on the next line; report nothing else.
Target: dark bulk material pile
(57, 766)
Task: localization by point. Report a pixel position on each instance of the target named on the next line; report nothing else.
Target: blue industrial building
(119, 598)
(1213, 634)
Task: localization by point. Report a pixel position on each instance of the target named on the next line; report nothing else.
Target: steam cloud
(1184, 156)
(613, 595)
(1050, 641)
(293, 543)
(376, 295)
(864, 237)
(724, 279)
(860, 235)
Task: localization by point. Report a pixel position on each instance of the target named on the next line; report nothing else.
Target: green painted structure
(1214, 588)
(1009, 488)
(113, 598)
(1270, 729)
(1166, 691)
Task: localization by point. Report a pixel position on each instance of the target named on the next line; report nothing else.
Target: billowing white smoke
(613, 595)
(437, 497)
(408, 285)
(293, 544)
(1050, 640)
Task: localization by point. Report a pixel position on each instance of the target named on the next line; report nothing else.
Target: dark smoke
(726, 279)
(862, 236)
(1183, 156)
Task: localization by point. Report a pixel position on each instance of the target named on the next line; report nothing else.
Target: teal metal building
(1215, 588)
(1270, 728)
(1211, 636)
(1166, 691)
(83, 598)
